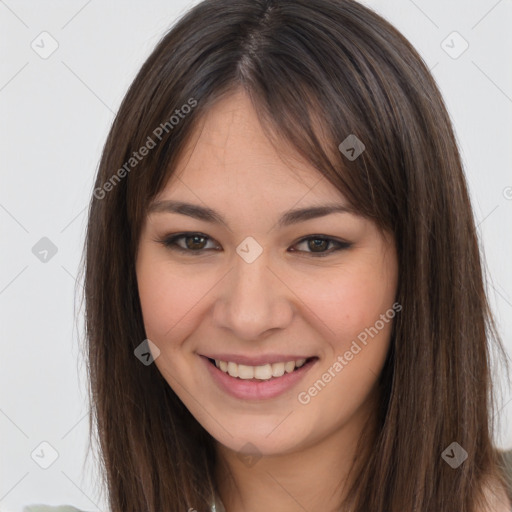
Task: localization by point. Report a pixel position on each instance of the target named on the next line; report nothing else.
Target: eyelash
(170, 243)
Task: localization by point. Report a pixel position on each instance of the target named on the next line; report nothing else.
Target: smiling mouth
(260, 373)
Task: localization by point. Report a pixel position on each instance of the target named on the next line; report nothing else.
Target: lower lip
(253, 389)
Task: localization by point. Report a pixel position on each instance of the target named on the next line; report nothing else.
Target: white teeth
(289, 366)
(262, 372)
(244, 372)
(233, 369)
(277, 369)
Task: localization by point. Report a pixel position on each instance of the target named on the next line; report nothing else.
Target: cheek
(166, 296)
(350, 300)
(158, 303)
(353, 307)
(174, 298)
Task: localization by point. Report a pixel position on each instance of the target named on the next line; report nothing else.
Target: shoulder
(499, 497)
(51, 508)
(506, 461)
(498, 501)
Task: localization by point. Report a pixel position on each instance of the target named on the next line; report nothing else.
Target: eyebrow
(207, 214)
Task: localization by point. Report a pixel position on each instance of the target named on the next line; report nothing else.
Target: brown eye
(317, 245)
(195, 243)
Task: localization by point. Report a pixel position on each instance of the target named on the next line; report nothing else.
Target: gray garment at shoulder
(507, 463)
(50, 508)
(219, 507)
(216, 507)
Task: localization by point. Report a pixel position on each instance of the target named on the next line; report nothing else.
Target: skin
(283, 302)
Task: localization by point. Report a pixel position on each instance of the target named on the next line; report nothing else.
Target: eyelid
(169, 241)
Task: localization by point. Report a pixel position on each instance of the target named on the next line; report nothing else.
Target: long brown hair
(316, 71)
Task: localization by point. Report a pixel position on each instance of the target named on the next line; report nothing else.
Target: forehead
(230, 151)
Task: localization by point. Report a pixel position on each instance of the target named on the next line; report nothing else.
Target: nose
(253, 300)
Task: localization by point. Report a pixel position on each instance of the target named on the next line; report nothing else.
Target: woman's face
(261, 288)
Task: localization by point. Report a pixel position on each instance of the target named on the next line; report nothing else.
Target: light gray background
(55, 114)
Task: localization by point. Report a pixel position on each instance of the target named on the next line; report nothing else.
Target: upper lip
(256, 360)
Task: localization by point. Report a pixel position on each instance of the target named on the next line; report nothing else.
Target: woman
(281, 224)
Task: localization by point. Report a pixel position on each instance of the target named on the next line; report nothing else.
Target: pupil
(194, 241)
(317, 243)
